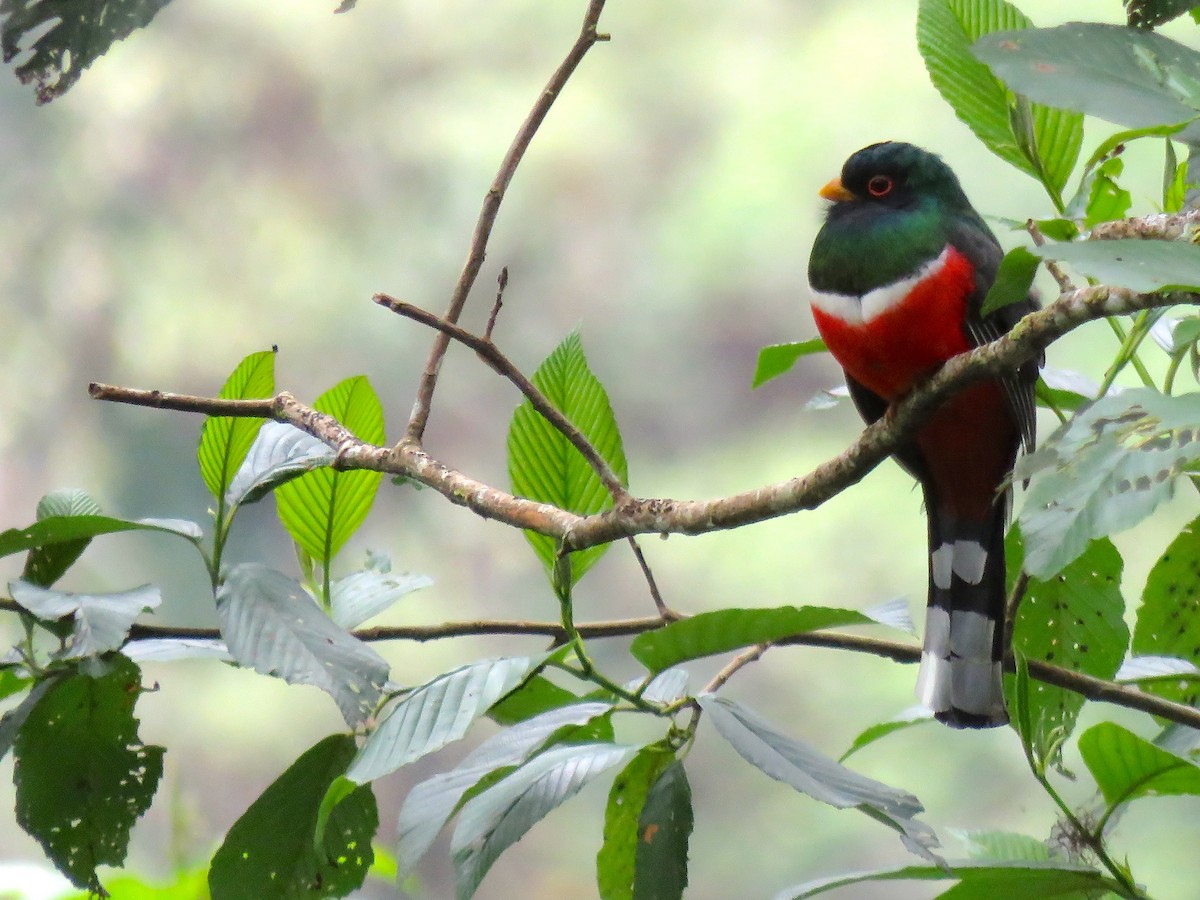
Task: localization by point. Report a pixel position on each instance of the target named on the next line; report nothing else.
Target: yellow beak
(836, 192)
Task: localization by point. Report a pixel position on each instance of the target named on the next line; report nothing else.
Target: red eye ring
(880, 186)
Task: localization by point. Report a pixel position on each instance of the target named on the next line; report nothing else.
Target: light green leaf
(365, 594)
(723, 630)
(663, 831)
(435, 714)
(1105, 470)
(1126, 766)
(323, 508)
(269, 854)
(1110, 144)
(1004, 845)
(1107, 200)
(1074, 620)
(45, 565)
(270, 624)
(225, 440)
(811, 772)
(946, 30)
(1132, 78)
(773, 361)
(499, 817)
(1143, 266)
(1167, 620)
(83, 775)
(542, 463)
(1013, 280)
(616, 862)
(915, 715)
(101, 622)
(279, 453)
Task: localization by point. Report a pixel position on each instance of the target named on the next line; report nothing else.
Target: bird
(899, 271)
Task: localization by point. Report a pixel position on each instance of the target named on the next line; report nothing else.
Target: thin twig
(501, 284)
(1064, 282)
(504, 367)
(738, 662)
(664, 611)
(491, 207)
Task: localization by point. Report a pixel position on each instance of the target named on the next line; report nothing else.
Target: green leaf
(1109, 146)
(12, 721)
(618, 857)
(83, 776)
(1168, 620)
(979, 881)
(1107, 200)
(225, 440)
(1126, 766)
(542, 463)
(269, 852)
(1062, 389)
(811, 772)
(45, 565)
(1132, 78)
(915, 715)
(723, 630)
(1074, 620)
(270, 624)
(431, 803)
(363, 595)
(535, 696)
(1013, 280)
(101, 622)
(1143, 266)
(1105, 470)
(71, 529)
(773, 361)
(946, 30)
(323, 508)
(499, 817)
(1057, 229)
(663, 831)
(66, 36)
(1149, 13)
(1174, 185)
(1005, 845)
(279, 453)
(435, 714)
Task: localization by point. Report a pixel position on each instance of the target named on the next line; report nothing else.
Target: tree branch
(491, 208)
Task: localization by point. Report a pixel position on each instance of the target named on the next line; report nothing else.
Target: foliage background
(240, 175)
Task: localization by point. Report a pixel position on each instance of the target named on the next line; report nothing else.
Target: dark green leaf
(1168, 620)
(542, 463)
(617, 860)
(916, 715)
(1149, 13)
(101, 622)
(663, 831)
(1126, 766)
(279, 453)
(13, 719)
(45, 565)
(946, 30)
(225, 440)
(431, 803)
(269, 852)
(723, 630)
(83, 776)
(499, 817)
(773, 361)
(66, 36)
(811, 772)
(435, 714)
(1013, 280)
(270, 624)
(1135, 79)
(69, 529)
(321, 509)
(1105, 470)
(1074, 620)
(537, 695)
(980, 881)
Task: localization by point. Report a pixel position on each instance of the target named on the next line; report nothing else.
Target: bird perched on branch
(899, 273)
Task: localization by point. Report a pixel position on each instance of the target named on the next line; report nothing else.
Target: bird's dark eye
(880, 186)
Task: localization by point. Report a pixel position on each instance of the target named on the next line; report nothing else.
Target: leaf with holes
(1105, 470)
(1168, 620)
(776, 359)
(1049, 139)
(101, 622)
(279, 453)
(1126, 766)
(269, 851)
(45, 565)
(499, 817)
(1074, 620)
(811, 772)
(663, 831)
(544, 466)
(270, 624)
(225, 440)
(323, 508)
(83, 775)
(617, 861)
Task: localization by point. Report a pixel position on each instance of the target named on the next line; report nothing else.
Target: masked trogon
(899, 271)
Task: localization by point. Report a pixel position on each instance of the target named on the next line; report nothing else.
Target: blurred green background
(246, 174)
